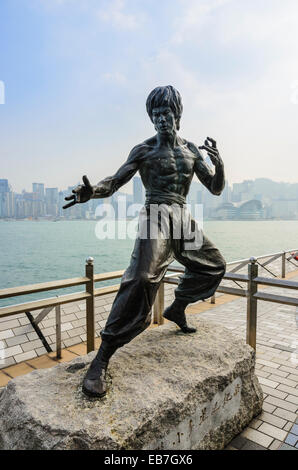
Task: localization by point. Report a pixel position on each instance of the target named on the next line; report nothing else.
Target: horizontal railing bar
(39, 304)
(266, 281)
(235, 277)
(44, 286)
(232, 291)
(230, 263)
(273, 258)
(280, 299)
(106, 290)
(240, 266)
(108, 276)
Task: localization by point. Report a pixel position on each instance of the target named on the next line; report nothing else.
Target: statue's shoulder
(139, 151)
(194, 149)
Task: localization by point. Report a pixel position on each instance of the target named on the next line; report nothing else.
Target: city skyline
(251, 199)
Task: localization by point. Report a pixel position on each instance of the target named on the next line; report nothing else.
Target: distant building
(247, 210)
(39, 189)
(52, 200)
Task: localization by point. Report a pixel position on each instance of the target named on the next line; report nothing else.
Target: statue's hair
(165, 96)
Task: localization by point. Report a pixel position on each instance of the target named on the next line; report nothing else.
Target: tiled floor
(276, 366)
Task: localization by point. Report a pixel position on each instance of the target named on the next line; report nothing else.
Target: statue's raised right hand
(81, 193)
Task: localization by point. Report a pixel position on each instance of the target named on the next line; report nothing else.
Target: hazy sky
(77, 74)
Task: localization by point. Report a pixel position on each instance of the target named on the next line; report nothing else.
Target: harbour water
(39, 251)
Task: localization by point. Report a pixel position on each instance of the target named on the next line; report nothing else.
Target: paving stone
(4, 379)
(273, 365)
(32, 336)
(269, 408)
(287, 389)
(40, 351)
(276, 372)
(273, 392)
(257, 436)
(288, 426)
(17, 370)
(272, 419)
(273, 431)
(269, 383)
(281, 403)
(291, 440)
(25, 356)
(6, 362)
(292, 399)
(43, 362)
(31, 345)
(294, 429)
(75, 332)
(71, 341)
(293, 377)
(286, 447)
(282, 380)
(290, 370)
(80, 349)
(238, 442)
(6, 334)
(7, 325)
(250, 445)
(17, 340)
(275, 445)
(13, 351)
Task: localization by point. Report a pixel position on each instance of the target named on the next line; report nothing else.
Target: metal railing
(90, 279)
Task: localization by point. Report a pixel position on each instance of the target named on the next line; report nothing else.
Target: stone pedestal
(166, 390)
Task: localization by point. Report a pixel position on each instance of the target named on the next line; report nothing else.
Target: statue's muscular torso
(166, 169)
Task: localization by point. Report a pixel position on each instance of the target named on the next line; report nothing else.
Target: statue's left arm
(214, 181)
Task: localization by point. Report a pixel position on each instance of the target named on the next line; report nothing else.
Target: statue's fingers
(209, 149)
(213, 142)
(69, 198)
(77, 189)
(69, 205)
(87, 182)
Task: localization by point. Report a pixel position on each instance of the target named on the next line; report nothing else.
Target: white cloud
(115, 77)
(114, 14)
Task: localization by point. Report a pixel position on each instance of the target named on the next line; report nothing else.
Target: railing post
(213, 299)
(159, 305)
(251, 325)
(90, 313)
(58, 332)
(283, 265)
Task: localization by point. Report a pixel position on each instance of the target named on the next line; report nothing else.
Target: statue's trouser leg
(130, 313)
(204, 270)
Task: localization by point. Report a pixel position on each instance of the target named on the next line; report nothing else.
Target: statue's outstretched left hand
(81, 193)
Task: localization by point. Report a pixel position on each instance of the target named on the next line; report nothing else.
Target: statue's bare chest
(168, 161)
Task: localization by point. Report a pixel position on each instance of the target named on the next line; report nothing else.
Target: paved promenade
(276, 363)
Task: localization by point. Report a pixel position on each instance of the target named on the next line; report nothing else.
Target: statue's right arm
(111, 184)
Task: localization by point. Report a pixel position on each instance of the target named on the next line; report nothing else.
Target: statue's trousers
(157, 245)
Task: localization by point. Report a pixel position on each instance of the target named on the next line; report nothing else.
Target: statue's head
(165, 97)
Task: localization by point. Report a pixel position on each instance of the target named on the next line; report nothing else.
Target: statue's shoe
(176, 314)
(95, 388)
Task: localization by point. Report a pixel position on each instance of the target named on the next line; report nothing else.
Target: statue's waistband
(164, 197)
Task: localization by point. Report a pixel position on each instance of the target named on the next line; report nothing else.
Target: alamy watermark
(2, 92)
(153, 221)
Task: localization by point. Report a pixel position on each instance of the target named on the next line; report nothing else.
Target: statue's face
(164, 120)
